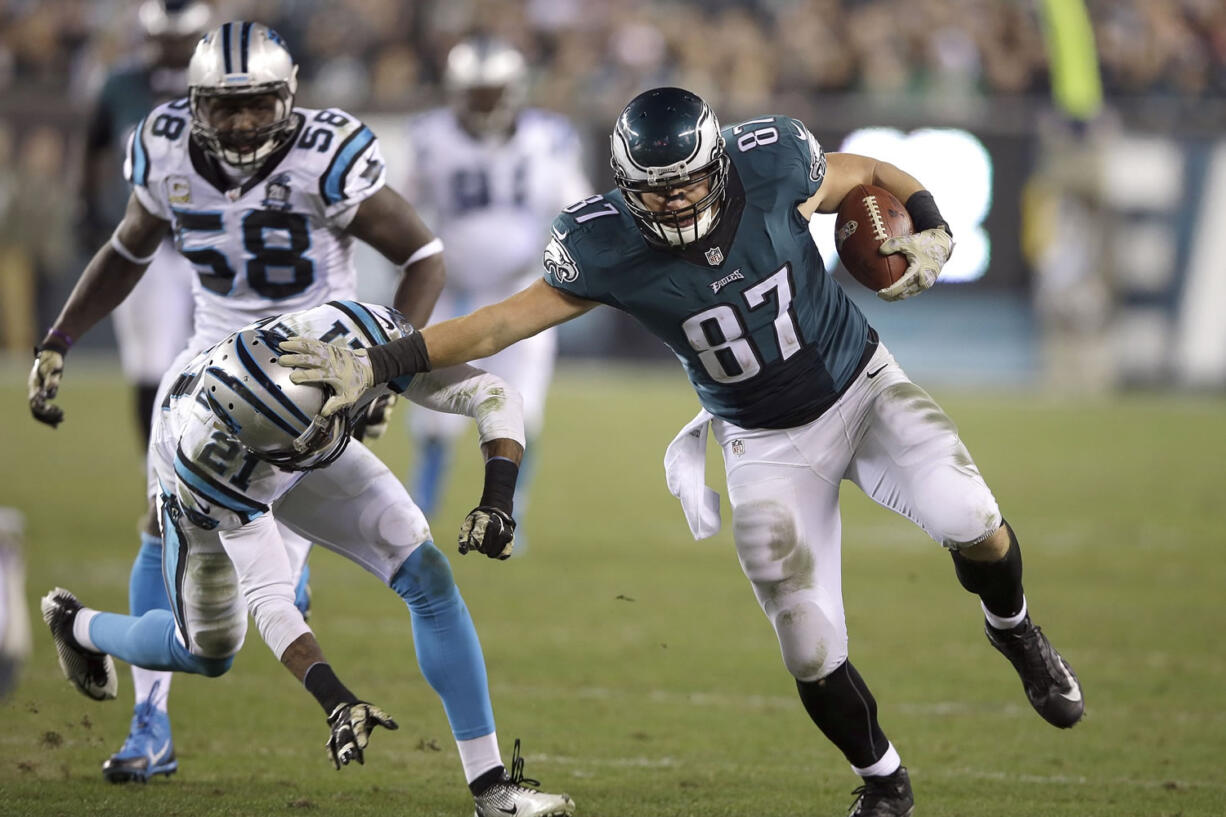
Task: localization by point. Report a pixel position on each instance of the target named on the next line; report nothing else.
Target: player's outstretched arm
(387, 222)
(108, 278)
(480, 334)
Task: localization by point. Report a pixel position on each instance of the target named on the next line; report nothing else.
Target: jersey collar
(210, 169)
(722, 236)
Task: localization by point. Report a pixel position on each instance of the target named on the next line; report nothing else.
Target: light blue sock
(302, 593)
(146, 587)
(448, 650)
(149, 641)
(435, 454)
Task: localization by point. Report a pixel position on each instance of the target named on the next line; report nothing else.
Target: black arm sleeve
(400, 357)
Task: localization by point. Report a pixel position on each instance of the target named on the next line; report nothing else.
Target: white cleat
(93, 673)
(509, 798)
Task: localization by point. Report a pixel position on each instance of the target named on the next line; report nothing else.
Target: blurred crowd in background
(589, 57)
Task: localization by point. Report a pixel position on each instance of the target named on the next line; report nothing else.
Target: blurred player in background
(154, 323)
(264, 200)
(706, 241)
(239, 447)
(14, 622)
(489, 175)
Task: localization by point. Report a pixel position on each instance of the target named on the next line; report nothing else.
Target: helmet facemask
(245, 149)
(682, 226)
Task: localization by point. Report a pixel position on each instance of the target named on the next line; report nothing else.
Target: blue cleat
(148, 749)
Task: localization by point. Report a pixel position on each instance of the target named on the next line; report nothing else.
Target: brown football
(868, 216)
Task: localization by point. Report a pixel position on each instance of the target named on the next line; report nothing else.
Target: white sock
(1005, 623)
(479, 755)
(80, 628)
(888, 764)
(142, 686)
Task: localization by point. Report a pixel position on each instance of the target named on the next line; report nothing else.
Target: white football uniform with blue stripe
(218, 484)
(273, 243)
(491, 201)
(225, 513)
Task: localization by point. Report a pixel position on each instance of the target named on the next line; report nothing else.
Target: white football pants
(890, 438)
(355, 507)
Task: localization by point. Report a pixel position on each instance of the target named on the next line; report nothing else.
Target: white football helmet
(667, 138)
(487, 82)
(273, 417)
(235, 60)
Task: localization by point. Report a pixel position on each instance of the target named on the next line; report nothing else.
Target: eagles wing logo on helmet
(235, 62)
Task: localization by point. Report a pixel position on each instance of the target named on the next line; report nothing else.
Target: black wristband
(500, 477)
(322, 682)
(922, 208)
(406, 355)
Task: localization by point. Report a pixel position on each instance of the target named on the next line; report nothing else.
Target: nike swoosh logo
(1075, 695)
(560, 236)
(871, 375)
(801, 134)
(512, 810)
(161, 752)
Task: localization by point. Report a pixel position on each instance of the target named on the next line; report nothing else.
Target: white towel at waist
(685, 465)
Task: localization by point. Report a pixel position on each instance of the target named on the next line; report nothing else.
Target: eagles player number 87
(734, 346)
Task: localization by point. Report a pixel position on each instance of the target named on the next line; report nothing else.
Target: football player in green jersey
(706, 242)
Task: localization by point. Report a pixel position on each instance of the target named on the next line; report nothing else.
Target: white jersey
(491, 201)
(220, 485)
(273, 243)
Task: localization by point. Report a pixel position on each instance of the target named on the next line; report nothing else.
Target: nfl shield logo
(738, 448)
(715, 256)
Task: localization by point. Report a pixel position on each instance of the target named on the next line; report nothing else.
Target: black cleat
(885, 796)
(1050, 684)
(92, 673)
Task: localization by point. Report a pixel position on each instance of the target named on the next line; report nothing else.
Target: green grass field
(634, 661)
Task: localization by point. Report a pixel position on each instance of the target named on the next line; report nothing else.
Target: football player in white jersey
(489, 175)
(239, 447)
(154, 323)
(264, 200)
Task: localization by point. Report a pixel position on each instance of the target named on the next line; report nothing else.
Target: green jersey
(767, 338)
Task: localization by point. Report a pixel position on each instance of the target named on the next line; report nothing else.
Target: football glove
(378, 416)
(346, 371)
(44, 383)
(926, 252)
(351, 727)
(488, 530)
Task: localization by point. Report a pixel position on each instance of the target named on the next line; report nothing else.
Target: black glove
(351, 727)
(488, 530)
